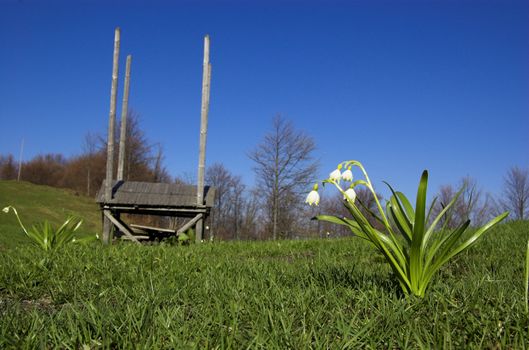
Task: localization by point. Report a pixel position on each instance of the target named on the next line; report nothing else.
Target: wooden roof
(155, 194)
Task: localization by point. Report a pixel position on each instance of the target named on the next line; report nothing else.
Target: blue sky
(400, 85)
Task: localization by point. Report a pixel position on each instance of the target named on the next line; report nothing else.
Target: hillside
(36, 203)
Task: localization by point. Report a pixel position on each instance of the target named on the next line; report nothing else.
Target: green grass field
(330, 293)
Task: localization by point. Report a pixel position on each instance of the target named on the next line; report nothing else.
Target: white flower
(313, 198)
(347, 175)
(336, 175)
(6, 210)
(350, 195)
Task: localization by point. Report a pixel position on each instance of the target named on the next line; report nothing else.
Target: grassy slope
(38, 203)
(335, 294)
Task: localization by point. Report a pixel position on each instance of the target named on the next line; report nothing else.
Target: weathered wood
(151, 228)
(156, 194)
(123, 127)
(190, 223)
(120, 225)
(110, 140)
(206, 82)
(176, 212)
(137, 237)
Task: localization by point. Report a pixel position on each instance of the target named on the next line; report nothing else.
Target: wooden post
(206, 80)
(107, 225)
(123, 127)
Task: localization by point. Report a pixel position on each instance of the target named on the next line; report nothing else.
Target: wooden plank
(121, 226)
(151, 228)
(137, 237)
(189, 224)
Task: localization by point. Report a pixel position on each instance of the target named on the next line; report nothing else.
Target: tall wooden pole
(206, 80)
(123, 127)
(107, 225)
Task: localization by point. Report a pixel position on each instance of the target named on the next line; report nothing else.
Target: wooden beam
(123, 127)
(120, 225)
(137, 238)
(206, 82)
(189, 224)
(107, 228)
(151, 228)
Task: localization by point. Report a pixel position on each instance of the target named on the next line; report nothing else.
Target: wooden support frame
(189, 224)
(112, 206)
(121, 225)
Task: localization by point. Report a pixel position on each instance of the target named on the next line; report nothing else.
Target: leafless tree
(515, 196)
(250, 228)
(226, 218)
(89, 148)
(284, 166)
(220, 178)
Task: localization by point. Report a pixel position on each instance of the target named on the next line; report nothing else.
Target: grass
(37, 203)
(328, 293)
(269, 295)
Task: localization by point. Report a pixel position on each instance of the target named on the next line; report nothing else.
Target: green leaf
(352, 225)
(446, 242)
(432, 227)
(399, 219)
(393, 252)
(448, 252)
(416, 253)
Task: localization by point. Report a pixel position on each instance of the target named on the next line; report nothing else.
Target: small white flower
(347, 175)
(313, 198)
(350, 195)
(6, 210)
(336, 175)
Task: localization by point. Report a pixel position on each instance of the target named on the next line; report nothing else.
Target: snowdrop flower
(350, 195)
(6, 210)
(336, 175)
(313, 197)
(347, 175)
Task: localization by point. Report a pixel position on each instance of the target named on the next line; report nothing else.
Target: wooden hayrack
(118, 197)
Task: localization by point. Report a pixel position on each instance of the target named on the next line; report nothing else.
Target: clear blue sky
(400, 85)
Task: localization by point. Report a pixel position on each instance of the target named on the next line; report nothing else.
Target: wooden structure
(117, 196)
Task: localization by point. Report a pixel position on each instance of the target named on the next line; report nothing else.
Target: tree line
(285, 166)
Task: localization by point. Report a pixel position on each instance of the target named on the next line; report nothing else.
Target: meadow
(327, 293)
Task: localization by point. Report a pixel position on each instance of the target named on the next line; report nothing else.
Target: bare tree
(220, 178)
(284, 166)
(515, 196)
(89, 148)
(226, 216)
